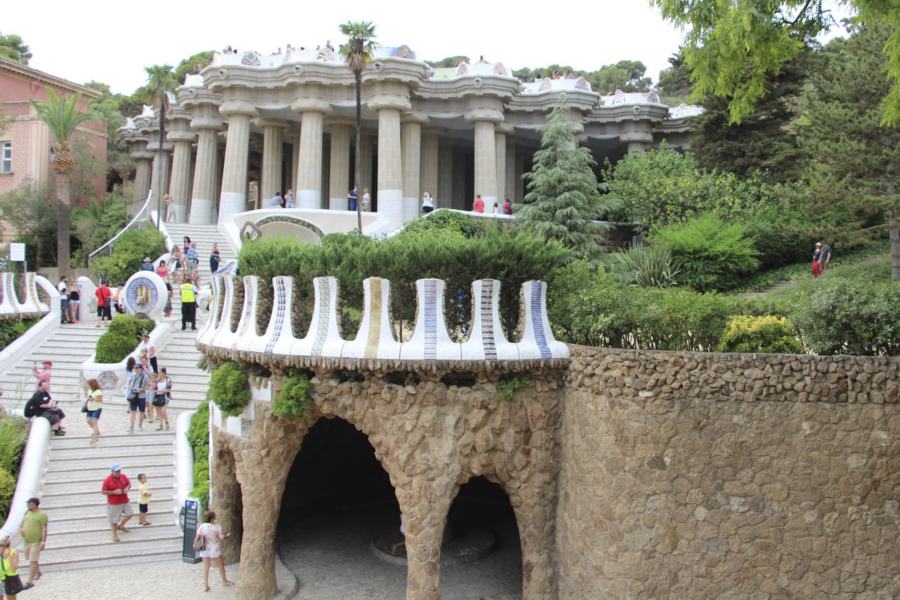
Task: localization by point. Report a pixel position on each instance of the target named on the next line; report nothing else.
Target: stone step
(93, 484)
(98, 506)
(91, 494)
(97, 474)
(79, 440)
(130, 541)
(130, 462)
(162, 527)
(105, 448)
(111, 559)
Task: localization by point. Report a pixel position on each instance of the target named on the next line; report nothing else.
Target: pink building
(25, 144)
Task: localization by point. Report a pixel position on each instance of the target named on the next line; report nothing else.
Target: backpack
(29, 409)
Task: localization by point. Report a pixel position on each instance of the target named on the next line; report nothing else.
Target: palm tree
(358, 50)
(62, 116)
(160, 82)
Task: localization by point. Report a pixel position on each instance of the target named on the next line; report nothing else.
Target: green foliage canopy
(12, 47)
(229, 389)
(295, 396)
(760, 334)
(128, 253)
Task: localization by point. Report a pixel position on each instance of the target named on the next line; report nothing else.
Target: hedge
(121, 338)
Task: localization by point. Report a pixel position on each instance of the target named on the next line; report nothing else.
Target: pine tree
(564, 197)
(855, 160)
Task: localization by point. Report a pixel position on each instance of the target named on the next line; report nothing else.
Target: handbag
(159, 400)
(200, 544)
(84, 407)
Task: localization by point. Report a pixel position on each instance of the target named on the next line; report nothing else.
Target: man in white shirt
(63, 288)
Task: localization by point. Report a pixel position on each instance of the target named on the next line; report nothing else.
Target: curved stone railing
(10, 307)
(184, 461)
(28, 484)
(429, 346)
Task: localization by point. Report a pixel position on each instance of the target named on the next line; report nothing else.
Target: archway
(336, 499)
(482, 506)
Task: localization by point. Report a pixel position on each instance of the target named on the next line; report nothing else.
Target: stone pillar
(294, 134)
(424, 518)
(429, 166)
(389, 100)
(309, 167)
(500, 133)
(233, 198)
(160, 181)
(485, 164)
(520, 170)
(326, 170)
(365, 159)
(179, 186)
(339, 183)
(511, 170)
(142, 177)
(444, 198)
(273, 144)
(635, 147)
(411, 149)
(203, 195)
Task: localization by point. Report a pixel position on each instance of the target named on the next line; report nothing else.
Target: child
(143, 499)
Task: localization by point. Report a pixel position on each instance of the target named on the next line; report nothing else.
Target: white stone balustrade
(11, 308)
(430, 343)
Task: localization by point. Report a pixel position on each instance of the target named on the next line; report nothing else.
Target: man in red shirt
(103, 294)
(479, 204)
(115, 488)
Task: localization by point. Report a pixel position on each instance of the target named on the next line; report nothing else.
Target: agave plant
(63, 115)
(647, 266)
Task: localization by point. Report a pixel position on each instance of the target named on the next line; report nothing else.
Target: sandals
(116, 540)
(125, 529)
(145, 524)
(228, 584)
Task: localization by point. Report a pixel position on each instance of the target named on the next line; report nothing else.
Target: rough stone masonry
(633, 474)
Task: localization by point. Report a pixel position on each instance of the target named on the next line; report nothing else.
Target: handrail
(137, 218)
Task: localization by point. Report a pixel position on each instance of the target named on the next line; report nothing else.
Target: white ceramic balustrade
(375, 339)
(206, 333)
(279, 337)
(10, 305)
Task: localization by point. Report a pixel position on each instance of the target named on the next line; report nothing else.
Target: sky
(112, 41)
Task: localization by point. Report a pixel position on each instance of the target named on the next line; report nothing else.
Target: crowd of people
(229, 50)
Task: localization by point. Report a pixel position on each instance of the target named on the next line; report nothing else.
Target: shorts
(210, 554)
(195, 266)
(103, 311)
(52, 417)
(93, 414)
(64, 303)
(168, 307)
(140, 404)
(427, 209)
(32, 552)
(144, 508)
(114, 512)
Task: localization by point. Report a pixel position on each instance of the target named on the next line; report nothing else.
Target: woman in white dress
(366, 200)
(212, 536)
(427, 203)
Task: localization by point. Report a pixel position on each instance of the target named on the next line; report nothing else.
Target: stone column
(161, 161)
(520, 170)
(485, 163)
(294, 135)
(179, 186)
(511, 170)
(500, 133)
(233, 199)
(390, 173)
(326, 171)
(273, 143)
(444, 198)
(635, 147)
(309, 167)
(142, 178)
(339, 182)
(429, 167)
(365, 159)
(411, 150)
(203, 195)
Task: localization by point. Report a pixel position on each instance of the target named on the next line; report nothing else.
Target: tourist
(12, 583)
(175, 260)
(41, 404)
(352, 196)
(214, 257)
(161, 269)
(816, 270)
(188, 304)
(94, 406)
(147, 265)
(74, 303)
(34, 535)
(212, 535)
(187, 245)
(479, 205)
(193, 259)
(197, 68)
(104, 302)
(162, 397)
(120, 298)
(146, 348)
(65, 316)
(824, 257)
(143, 500)
(170, 214)
(168, 309)
(278, 53)
(507, 207)
(365, 200)
(137, 396)
(289, 199)
(115, 488)
(43, 375)
(227, 50)
(276, 201)
(496, 209)
(328, 45)
(427, 203)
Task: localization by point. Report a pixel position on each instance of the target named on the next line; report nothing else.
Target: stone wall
(747, 476)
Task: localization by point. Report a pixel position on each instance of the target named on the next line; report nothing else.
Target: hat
(146, 259)
(47, 362)
(116, 467)
(818, 243)
(37, 501)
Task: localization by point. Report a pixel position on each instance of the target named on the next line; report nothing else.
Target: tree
(855, 159)
(447, 63)
(358, 50)
(29, 210)
(62, 116)
(564, 198)
(11, 47)
(160, 83)
(186, 66)
(627, 74)
(764, 140)
(675, 82)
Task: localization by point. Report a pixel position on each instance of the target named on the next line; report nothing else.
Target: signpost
(17, 254)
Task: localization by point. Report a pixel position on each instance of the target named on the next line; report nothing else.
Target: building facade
(25, 143)
(288, 122)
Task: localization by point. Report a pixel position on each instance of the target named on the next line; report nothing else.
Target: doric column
(273, 141)
(203, 195)
(389, 104)
(309, 166)
(142, 177)
(500, 133)
(365, 159)
(233, 198)
(485, 163)
(519, 172)
(429, 166)
(179, 186)
(294, 135)
(340, 164)
(444, 198)
(161, 160)
(411, 149)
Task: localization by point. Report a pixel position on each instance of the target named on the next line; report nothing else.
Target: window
(6, 157)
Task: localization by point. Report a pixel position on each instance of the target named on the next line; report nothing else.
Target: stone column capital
(473, 115)
(166, 147)
(198, 123)
(181, 136)
(266, 122)
(414, 117)
(331, 121)
(389, 101)
(238, 107)
(504, 128)
(302, 105)
(142, 155)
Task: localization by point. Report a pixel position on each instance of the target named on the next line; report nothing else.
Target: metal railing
(142, 215)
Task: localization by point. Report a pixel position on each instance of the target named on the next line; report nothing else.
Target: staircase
(80, 534)
(205, 236)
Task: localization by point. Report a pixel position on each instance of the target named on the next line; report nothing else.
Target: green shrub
(651, 265)
(7, 490)
(760, 334)
(510, 383)
(295, 397)
(129, 252)
(121, 338)
(446, 220)
(129, 325)
(13, 435)
(12, 330)
(229, 389)
(711, 254)
(198, 437)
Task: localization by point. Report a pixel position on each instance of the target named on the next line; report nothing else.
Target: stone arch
(226, 498)
(301, 229)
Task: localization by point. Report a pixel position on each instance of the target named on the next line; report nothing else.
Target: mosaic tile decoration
(536, 321)
(374, 307)
(9, 305)
(293, 221)
(323, 302)
(32, 289)
(108, 380)
(279, 313)
(431, 316)
(246, 428)
(487, 319)
(249, 313)
(230, 268)
(132, 290)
